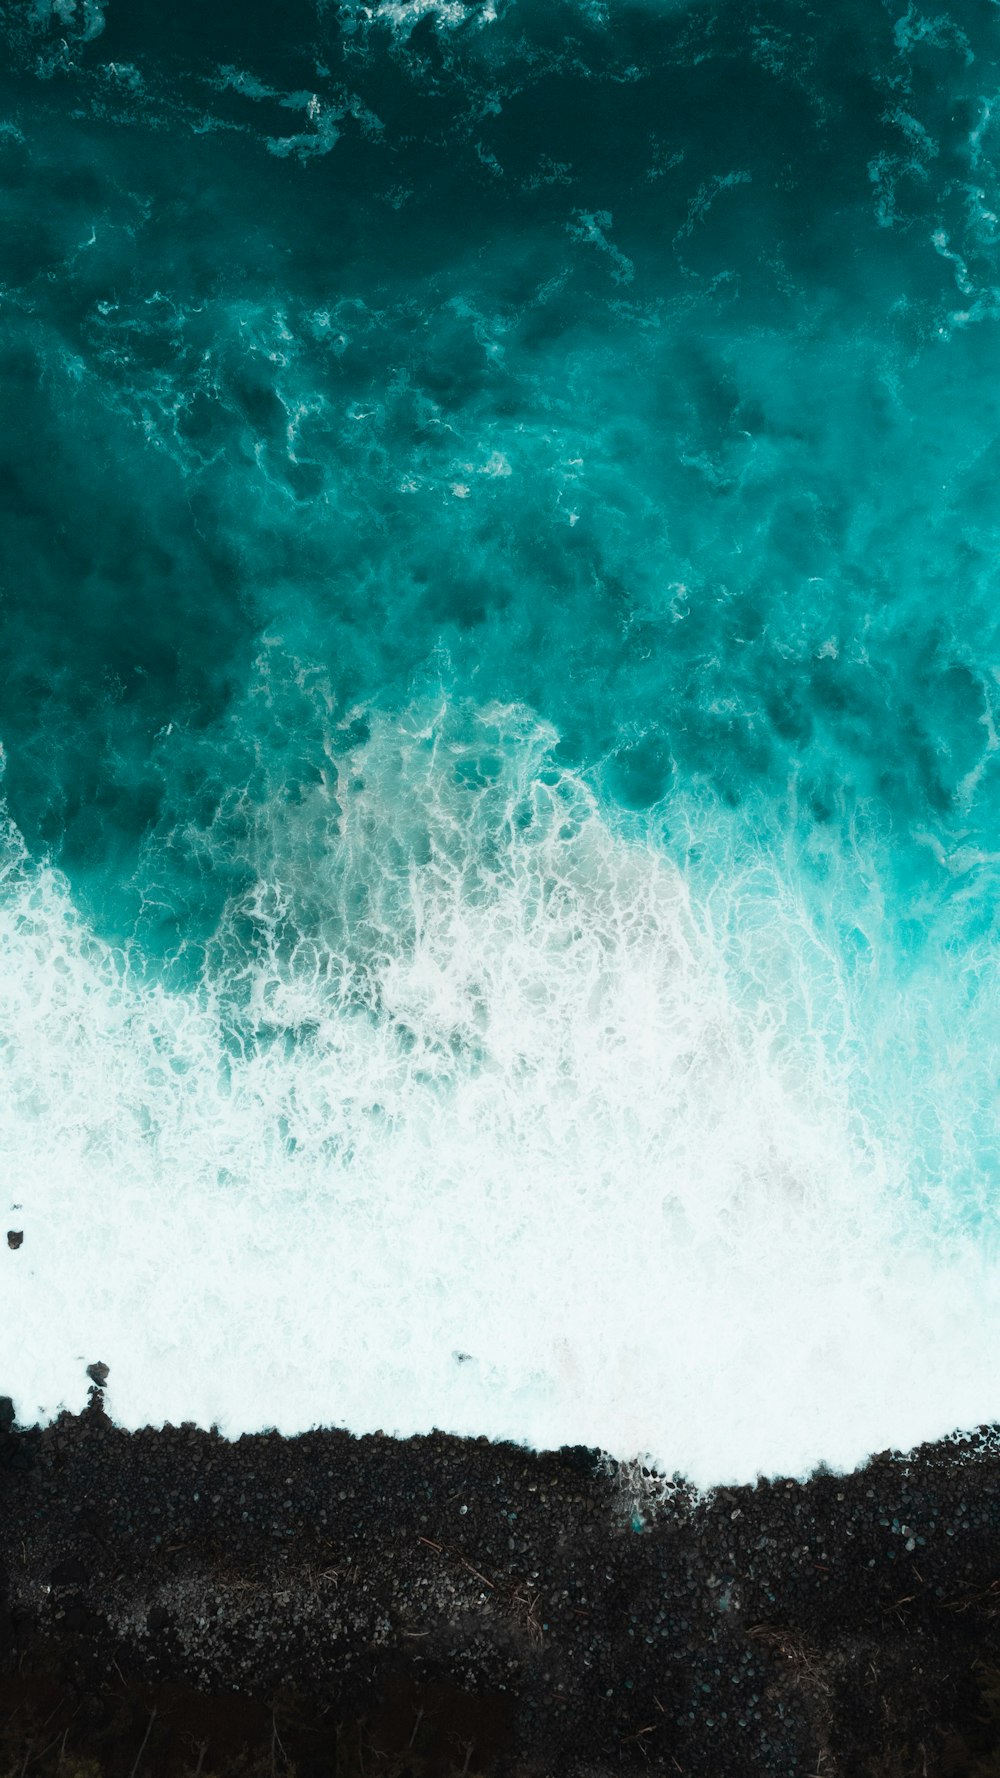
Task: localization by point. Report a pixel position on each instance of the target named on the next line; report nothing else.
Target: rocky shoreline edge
(439, 1607)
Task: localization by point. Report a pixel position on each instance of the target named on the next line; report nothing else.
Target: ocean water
(499, 683)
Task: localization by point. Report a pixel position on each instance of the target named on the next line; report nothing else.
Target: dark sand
(173, 1603)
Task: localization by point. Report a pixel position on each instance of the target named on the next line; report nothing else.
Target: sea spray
(477, 1115)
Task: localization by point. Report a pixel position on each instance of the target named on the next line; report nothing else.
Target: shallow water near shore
(499, 722)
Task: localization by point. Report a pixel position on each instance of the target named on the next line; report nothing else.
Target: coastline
(440, 1606)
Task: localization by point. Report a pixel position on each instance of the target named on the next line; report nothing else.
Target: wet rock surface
(326, 1604)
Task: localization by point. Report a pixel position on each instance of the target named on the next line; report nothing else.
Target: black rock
(71, 1573)
(98, 1373)
(7, 1415)
(15, 1237)
(583, 1460)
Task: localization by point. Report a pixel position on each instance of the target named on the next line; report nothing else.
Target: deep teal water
(636, 366)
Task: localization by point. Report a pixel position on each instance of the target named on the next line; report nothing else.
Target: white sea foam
(485, 1117)
(81, 19)
(403, 15)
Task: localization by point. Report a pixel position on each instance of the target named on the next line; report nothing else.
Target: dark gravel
(176, 1603)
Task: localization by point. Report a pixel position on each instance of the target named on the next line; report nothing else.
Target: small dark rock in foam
(98, 1373)
(15, 1237)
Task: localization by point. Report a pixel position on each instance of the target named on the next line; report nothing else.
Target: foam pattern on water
(479, 1116)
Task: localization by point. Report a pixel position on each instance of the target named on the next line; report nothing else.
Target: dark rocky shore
(327, 1605)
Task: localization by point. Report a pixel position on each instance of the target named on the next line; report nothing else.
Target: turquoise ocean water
(499, 699)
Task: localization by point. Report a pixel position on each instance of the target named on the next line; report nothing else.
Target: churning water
(499, 598)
